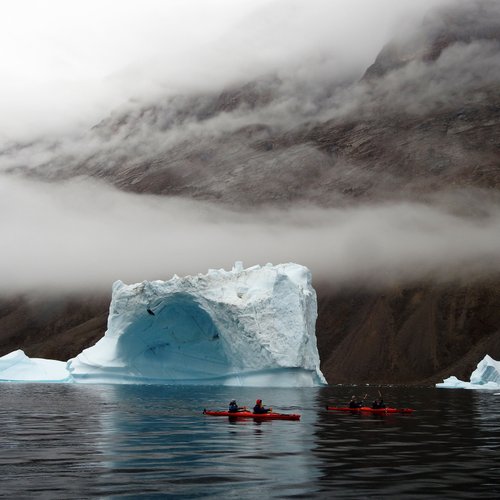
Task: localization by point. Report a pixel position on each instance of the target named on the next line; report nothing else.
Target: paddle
(382, 404)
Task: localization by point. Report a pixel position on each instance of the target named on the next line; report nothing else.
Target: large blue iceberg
(244, 327)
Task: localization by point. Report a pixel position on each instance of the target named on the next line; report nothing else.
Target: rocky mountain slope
(422, 124)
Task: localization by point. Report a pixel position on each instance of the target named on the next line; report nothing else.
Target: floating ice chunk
(452, 383)
(252, 327)
(485, 376)
(17, 367)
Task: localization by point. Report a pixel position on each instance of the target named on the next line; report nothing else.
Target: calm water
(73, 441)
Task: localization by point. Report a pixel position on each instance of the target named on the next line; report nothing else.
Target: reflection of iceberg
(17, 367)
(168, 445)
(253, 327)
(485, 376)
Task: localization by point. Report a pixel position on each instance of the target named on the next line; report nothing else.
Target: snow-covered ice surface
(244, 327)
(17, 367)
(485, 376)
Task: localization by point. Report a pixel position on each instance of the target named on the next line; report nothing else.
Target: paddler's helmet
(233, 400)
(259, 401)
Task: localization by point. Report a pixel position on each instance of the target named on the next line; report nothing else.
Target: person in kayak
(233, 407)
(260, 408)
(378, 403)
(355, 403)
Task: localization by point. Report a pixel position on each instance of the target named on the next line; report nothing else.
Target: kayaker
(233, 406)
(354, 403)
(378, 404)
(260, 408)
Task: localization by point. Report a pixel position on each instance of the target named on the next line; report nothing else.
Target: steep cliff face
(465, 23)
(407, 335)
(422, 124)
(54, 328)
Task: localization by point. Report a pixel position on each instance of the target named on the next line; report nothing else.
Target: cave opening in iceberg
(176, 340)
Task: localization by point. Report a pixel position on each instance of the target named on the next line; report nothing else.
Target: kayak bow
(249, 414)
(367, 409)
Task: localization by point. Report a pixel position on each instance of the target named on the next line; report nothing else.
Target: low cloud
(67, 66)
(82, 236)
(459, 77)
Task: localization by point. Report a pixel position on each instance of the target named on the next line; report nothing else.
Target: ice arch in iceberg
(252, 327)
(178, 340)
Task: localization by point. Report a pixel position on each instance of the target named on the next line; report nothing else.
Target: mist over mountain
(293, 138)
(383, 179)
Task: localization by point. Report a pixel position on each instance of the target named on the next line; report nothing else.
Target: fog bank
(82, 236)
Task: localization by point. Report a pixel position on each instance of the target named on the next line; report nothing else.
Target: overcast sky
(67, 64)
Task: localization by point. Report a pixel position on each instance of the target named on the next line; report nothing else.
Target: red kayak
(249, 414)
(367, 409)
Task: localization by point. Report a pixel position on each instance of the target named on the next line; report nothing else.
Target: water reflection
(74, 441)
(432, 452)
(48, 439)
(164, 438)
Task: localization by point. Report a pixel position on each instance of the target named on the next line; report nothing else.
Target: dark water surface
(76, 441)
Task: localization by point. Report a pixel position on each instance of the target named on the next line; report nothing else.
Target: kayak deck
(249, 414)
(367, 409)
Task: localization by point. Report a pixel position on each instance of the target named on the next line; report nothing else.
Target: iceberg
(244, 327)
(17, 367)
(485, 376)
